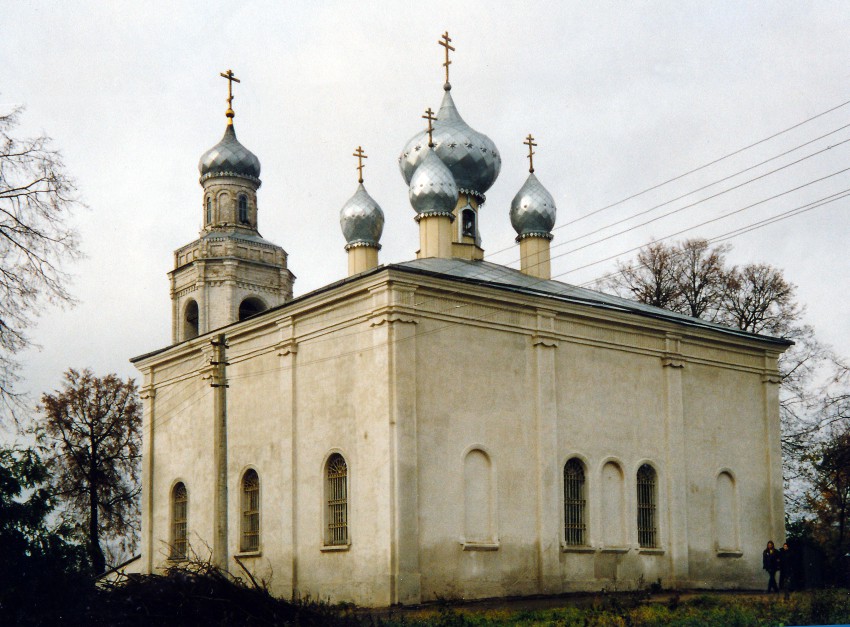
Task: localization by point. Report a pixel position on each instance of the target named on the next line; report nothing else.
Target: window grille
(243, 208)
(337, 497)
(646, 504)
(179, 507)
(209, 210)
(575, 524)
(250, 511)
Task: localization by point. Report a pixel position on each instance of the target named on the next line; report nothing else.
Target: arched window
(190, 320)
(725, 513)
(250, 306)
(646, 507)
(614, 529)
(179, 518)
(468, 223)
(575, 523)
(336, 495)
(250, 511)
(243, 208)
(209, 209)
(478, 498)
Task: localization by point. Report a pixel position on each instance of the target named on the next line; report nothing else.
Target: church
(445, 427)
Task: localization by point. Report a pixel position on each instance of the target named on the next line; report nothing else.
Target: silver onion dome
(471, 156)
(432, 188)
(533, 210)
(229, 158)
(361, 219)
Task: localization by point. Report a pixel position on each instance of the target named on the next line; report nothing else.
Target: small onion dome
(471, 156)
(533, 210)
(362, 220)
(229, 158)
(433, 190)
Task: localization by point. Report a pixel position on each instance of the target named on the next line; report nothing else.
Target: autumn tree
(90, 434)
(37, 199)
(693, 278)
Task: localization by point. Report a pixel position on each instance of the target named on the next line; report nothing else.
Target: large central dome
(471, 157)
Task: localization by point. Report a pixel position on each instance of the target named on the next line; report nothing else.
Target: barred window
(250, 511)
(575, 523)
(336, 492)
(646, 505)
(179, 513)
(243, 208)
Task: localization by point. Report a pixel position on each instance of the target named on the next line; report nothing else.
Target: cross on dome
(360, 156)
(445, 42)
(529, 141)
(231, 78)
(429, 115)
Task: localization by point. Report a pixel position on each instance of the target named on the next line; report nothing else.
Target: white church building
(445, 426)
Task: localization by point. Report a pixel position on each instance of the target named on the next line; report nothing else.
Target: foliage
(37, 199)
(90, 435)
(40, 564)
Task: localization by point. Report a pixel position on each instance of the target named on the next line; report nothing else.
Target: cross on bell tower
(231, 78)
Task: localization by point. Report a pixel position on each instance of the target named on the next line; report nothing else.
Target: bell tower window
(190, 320)
(209, 209)
(243, 208)
(468, 223)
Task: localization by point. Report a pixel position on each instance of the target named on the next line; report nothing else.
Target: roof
(502, 277)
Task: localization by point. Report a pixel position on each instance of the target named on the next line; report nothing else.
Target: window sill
(577, 548)
(614, 549)
(335, 548)
(650, 551)
(241, 554)
(729, 553)
(480, 546)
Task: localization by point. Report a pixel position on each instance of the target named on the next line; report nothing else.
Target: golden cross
(360, 156)
(231, 78)
(529, 141)
(429, 115)
(445, 42)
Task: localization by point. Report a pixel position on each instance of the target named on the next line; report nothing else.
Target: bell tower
(230, 272)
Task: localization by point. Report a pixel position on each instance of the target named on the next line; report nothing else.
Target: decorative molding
(729, 553)
(672, 361)
(335, 548)
(286, 347)
(147, 392)
(391, 317)
(614, 549)
(547, 341)
(771, 377)
(651, 551)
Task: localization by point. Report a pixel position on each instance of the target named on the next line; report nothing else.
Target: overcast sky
(620, 97)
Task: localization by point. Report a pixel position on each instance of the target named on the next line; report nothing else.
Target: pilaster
(773, 454)
(544, 345)
(676, 470)
(148, 396)
(395, 333)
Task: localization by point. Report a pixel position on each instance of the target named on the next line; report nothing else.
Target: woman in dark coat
(770, 562)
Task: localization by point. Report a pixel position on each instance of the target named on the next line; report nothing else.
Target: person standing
(770, 562)
(785, 568)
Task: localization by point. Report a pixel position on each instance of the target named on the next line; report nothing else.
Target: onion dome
(229, 158)
(471, 157)
(433, 190)
(533, 210)
(362, 220)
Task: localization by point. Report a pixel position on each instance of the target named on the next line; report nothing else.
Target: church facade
(446, 426)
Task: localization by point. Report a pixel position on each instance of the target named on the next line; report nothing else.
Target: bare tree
(651, 278)
(701, 277)
(758, 299)
(90, 435)
(37, 198)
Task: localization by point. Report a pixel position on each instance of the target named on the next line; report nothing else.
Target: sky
(620, 96)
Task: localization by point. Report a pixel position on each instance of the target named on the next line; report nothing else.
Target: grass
(823, 607)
